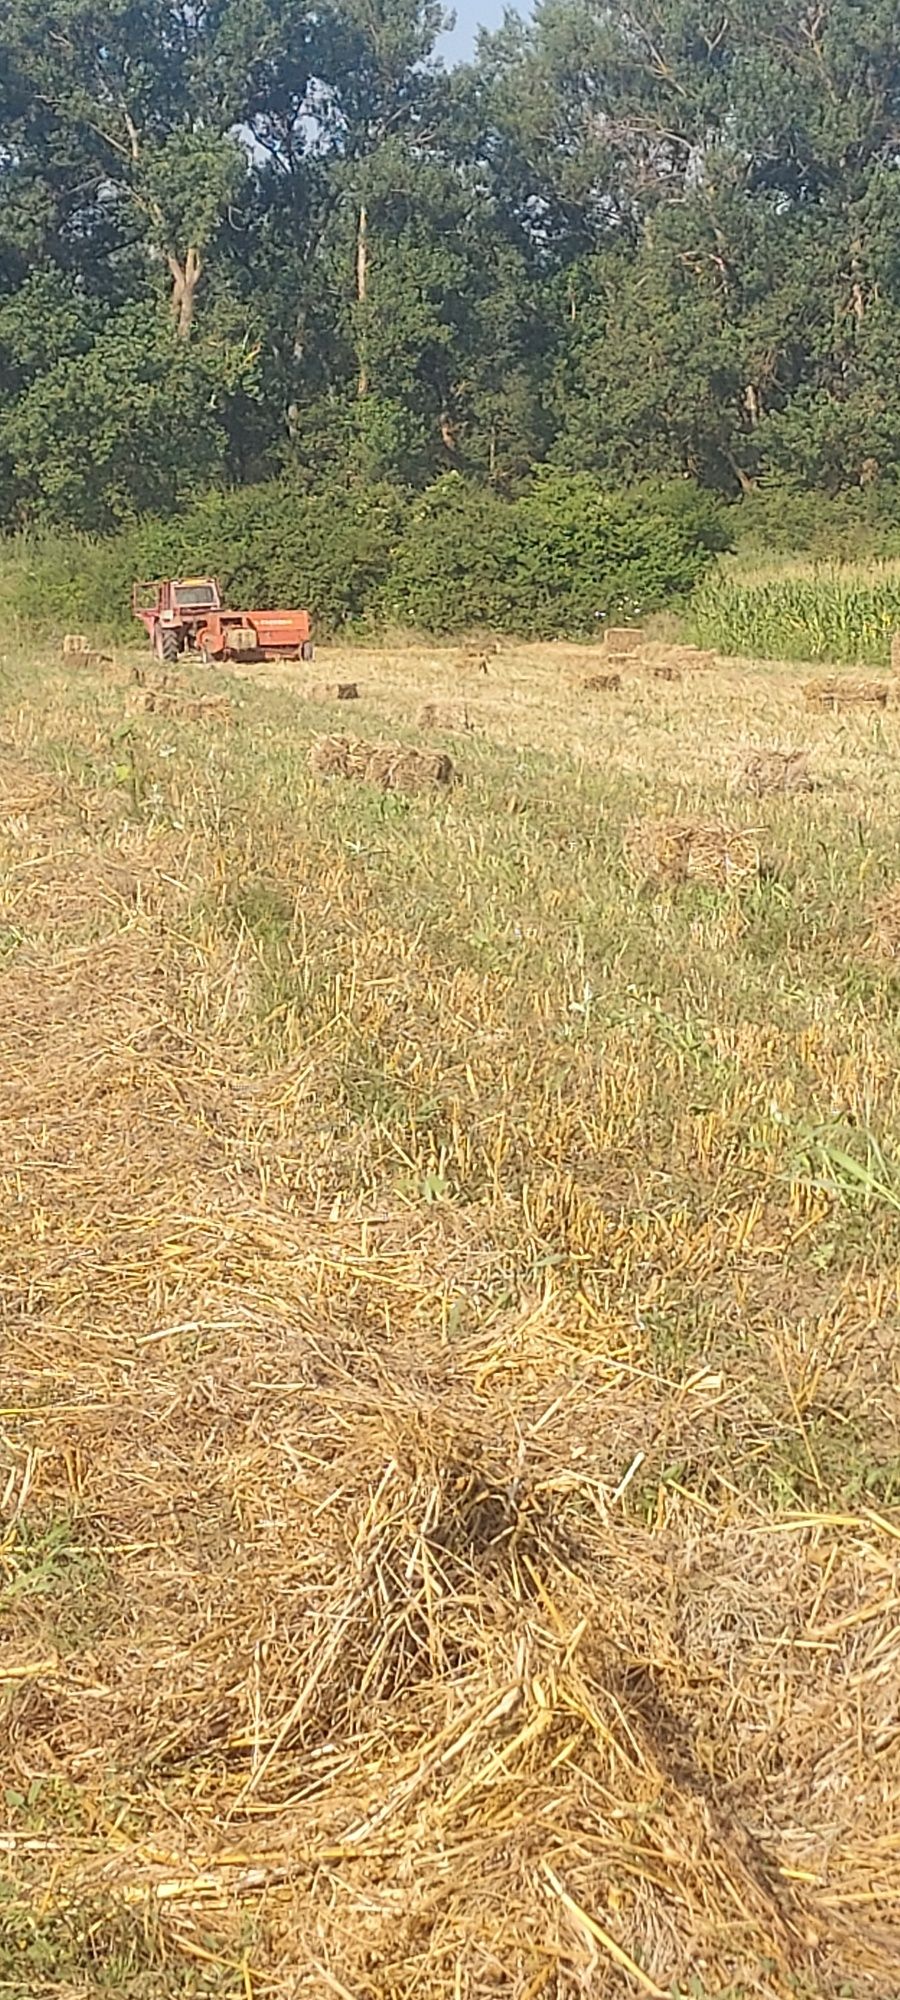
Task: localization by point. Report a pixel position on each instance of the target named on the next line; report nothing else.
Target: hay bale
(399, 767)
(845, 692)
(340, 756)
(445, 716)
(621, 640)
(188, 708)
(682, 850)
(694, 656)
(602, 683)
(330, 757)
(884, 933)
(335, 691)
(762, 771)
(74, 644)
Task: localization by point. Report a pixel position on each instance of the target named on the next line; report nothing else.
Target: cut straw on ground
(449, 1420)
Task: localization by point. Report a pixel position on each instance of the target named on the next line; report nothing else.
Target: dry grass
(884, 924)
(448, 717)
(449, 1414)
(472, 660)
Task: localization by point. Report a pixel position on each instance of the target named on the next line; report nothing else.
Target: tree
(132, 423)
(129, 112)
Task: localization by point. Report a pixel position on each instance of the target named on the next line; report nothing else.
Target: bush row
(560, 558)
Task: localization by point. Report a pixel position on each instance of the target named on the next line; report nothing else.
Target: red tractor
(184, 614)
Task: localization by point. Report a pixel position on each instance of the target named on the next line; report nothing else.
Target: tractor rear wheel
(307, 650)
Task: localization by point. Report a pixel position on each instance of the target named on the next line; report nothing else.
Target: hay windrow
(185, 707)
(399, 767)
(602, 683)
(622, 641)
(339, 756)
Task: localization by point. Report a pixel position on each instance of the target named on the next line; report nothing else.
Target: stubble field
(449, 1450)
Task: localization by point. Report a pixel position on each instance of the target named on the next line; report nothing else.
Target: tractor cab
(173, 611)
(196, 593)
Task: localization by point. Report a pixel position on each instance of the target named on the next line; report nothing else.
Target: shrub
(558, 559)
(780, 520)
(273, 545)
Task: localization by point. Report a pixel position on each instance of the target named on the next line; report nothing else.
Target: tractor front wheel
(166, 645)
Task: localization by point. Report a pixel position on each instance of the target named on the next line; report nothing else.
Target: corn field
(836, 612)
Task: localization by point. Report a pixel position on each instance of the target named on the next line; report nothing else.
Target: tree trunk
(746, 484)
(185, 279)
(362, 276)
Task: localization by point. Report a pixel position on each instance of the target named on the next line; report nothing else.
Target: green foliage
(668, 257)
(782, 520)
(130, 424)
(561, 557)
(272, 545)
(101, 1948)
(823, 613)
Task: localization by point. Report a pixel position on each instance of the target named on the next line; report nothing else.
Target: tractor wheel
(166, 645)
(307, 650)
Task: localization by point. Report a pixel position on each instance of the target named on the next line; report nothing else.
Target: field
(449, 1402)
(793, 609)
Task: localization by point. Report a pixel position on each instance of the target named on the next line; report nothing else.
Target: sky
(470, 16)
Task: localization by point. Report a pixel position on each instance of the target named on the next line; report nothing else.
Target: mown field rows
(449, 1418)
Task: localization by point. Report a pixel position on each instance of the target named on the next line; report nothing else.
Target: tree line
(255, 239)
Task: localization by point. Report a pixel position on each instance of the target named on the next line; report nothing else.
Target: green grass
(98, 1951)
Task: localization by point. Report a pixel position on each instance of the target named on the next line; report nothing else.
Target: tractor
(185, 614)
